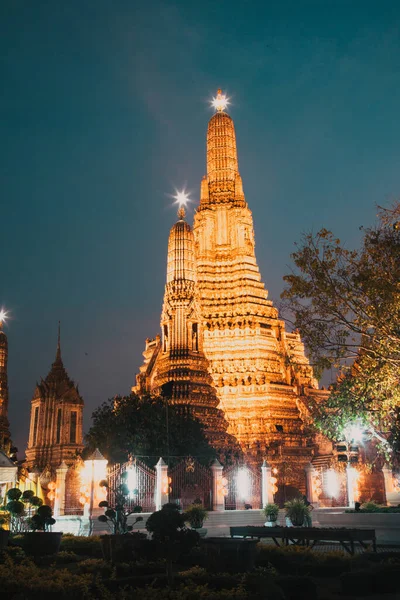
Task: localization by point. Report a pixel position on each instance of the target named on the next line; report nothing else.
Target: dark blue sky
(104, 110)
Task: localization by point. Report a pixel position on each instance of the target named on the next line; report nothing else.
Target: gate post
(267, 496)
(311, 491)
(59, 502)
(218, 498)
(162, 484)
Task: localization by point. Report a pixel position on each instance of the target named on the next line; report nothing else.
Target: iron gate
(190, 482)
(141, 482)
(243, 488)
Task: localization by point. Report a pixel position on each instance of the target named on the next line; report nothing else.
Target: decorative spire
(220, 102)
(3, 317)
(222, 161)
(58, 353)
(181, 261)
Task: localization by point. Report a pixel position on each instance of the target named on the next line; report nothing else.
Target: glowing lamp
(273, 480)
(52, 486)
(220, 102)
(224, 481)
(275, 471)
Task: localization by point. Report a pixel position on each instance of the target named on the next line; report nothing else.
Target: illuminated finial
(3, 316)
(181, 198)
(220, 102)
(181, 213)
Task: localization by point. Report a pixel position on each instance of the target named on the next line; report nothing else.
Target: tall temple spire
(175, 364)
(58, 352)
(5, 441)
(223, 182)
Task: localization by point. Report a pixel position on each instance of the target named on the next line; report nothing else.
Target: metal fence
(243, 488)
(141, 481)
(190, 482)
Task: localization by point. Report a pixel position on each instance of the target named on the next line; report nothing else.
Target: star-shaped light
(3, 315)
(220, 102)
(181, 198)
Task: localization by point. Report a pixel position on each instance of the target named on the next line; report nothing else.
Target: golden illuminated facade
(55, 433)
(259, 371)
(5, 438)
(175, 364)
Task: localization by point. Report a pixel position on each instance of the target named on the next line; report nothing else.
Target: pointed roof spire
(181, 213)
(58, 353)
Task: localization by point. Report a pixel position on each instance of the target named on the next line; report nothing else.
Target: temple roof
(58, 382)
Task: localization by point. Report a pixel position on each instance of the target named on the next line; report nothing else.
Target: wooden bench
(305, 535)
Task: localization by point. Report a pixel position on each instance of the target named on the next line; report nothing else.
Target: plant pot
(270, 522)
(3, 538)
(42, 543)
(202, 531)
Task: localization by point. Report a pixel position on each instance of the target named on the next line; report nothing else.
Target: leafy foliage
(132, 425)
(42, 520)
(346, 305)
(118, 516)
(271, 510)
(297, 511)
(195, 515)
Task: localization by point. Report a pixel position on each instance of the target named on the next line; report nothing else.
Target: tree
(346, 305)
(132, 425)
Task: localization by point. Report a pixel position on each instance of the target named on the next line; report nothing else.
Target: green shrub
(95, 566)
(15, 553)
(297, 588)
(83, 546)
(29, 582)
(376, 580)
(187, 592)
(298, 560)
(64, 558)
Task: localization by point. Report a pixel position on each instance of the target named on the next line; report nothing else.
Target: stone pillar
(162, 484)
(351, 483)
(267, 495)
(59, 502)
(392, 493)
(218, 498)
(311, 491)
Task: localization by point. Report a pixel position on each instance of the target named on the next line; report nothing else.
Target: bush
(95, 566)
(28, 581)
(379, 580)
(297, 588)
(188, 592)
(83, 546)
(295, 560)
(64, 558)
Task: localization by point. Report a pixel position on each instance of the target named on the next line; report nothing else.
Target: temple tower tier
(259, 370)
(175, 365)
(55, 433)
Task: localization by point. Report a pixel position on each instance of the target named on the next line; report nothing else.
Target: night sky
(104, 110)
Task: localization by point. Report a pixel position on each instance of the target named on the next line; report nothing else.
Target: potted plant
(170, 536)
(195, 515)
(297, 511)
(42, 541)
(271, 512)
(122, 541)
